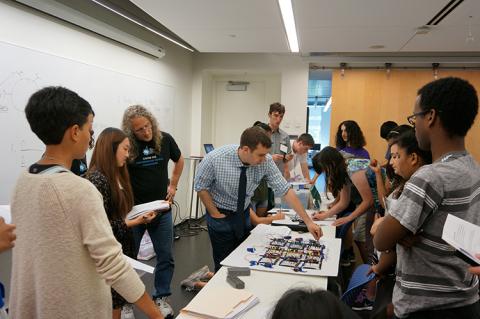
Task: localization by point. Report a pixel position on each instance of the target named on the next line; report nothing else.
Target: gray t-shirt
(429, 276)
(279, 138)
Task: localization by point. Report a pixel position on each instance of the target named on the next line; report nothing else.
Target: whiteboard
(24, 71)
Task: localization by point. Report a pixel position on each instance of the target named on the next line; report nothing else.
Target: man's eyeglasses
(413, 118)
(146, 127)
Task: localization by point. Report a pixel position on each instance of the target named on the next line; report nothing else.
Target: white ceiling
(322, 25)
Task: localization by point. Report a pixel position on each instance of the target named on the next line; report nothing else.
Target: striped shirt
(219, 174)
(429, 276)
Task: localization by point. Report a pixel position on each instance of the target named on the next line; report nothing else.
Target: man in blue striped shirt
(431, 281)
(217, 184)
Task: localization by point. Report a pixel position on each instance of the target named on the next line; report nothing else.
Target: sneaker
(198, 275)
(127, 312)
(164, 307)
(362, 302)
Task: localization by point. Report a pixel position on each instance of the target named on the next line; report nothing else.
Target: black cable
(182, 229)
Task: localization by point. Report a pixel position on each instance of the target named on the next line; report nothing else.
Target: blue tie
(242, 192)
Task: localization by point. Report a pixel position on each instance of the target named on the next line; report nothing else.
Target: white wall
(293, 74)
(233, 111)
(26, 28)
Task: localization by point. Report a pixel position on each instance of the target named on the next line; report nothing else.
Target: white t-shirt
(295, 167)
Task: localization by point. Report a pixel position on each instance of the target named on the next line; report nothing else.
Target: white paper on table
(287, 220)
(139, 265)
(5, 213)
(262, 229)
(206, 303)
(157, 205)
(243, 307)
(463, 236)
(286, 211)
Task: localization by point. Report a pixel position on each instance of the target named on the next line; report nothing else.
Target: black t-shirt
(149, 171)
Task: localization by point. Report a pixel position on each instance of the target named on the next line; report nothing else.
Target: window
(318, 106)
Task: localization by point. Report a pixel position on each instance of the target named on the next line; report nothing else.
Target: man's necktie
(242, 192)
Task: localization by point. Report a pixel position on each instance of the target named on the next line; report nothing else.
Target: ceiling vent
(237, 85)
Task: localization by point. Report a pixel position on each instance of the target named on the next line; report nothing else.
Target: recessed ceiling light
(424, 29)
(377, 46)
(289, 23)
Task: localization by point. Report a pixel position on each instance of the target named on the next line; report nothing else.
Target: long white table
(267, 286)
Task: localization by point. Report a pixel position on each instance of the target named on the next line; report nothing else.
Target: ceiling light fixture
(289, 24)
(142, 25)
(424, 29)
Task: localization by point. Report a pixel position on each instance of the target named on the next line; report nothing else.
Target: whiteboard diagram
(24, 71)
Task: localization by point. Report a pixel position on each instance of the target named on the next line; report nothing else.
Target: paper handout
(157, 205)
(463, 236)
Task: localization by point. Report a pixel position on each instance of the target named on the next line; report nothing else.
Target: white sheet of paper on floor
(158, 205)
(139, 265)
(5, 213)
(234, 302)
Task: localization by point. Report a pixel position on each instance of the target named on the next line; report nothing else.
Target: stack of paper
(158, 205)
(223, 303)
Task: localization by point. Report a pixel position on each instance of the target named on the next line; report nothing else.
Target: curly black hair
(331, 162)
(455, 100)
(354, 133)
(52, 110)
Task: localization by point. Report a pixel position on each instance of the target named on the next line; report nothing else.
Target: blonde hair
(132, 112)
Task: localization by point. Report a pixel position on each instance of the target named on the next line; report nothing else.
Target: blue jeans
(222, 235)
(161, 232)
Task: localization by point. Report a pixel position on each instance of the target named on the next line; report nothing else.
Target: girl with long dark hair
(353, 182)
(351, 141)
(109, 174)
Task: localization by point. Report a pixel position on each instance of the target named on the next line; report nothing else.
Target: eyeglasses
(146, 127)
(413, 118)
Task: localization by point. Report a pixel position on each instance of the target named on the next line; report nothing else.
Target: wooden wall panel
(370, 98)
